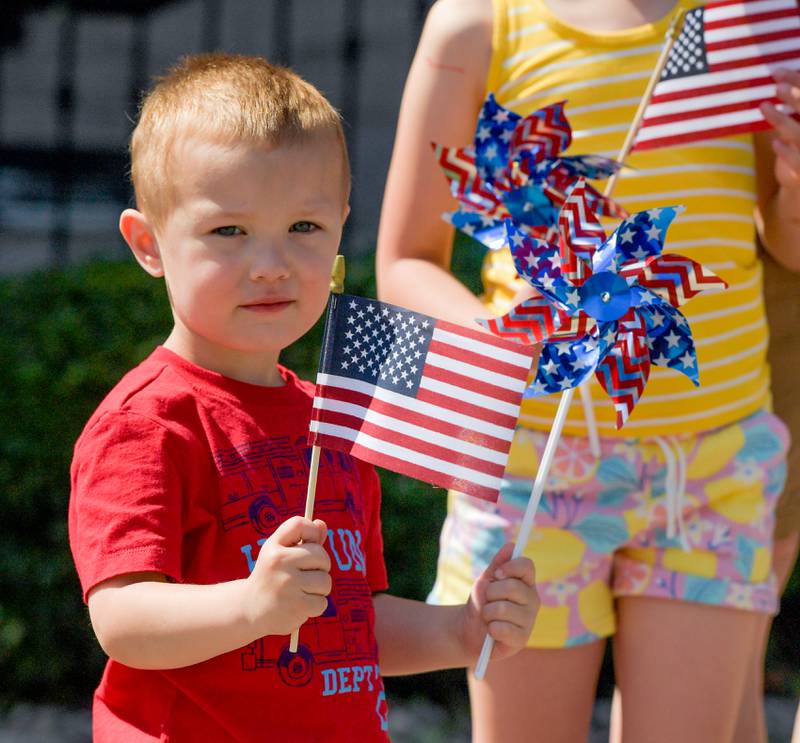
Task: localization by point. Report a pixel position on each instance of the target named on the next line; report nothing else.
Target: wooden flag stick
(337, 287)
(671, 36)
(566, 398)
(673, 32)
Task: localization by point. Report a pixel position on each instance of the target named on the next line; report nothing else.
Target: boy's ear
(141, 238)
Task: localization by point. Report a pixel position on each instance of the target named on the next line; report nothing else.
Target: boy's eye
(228, 231)
(303, 227)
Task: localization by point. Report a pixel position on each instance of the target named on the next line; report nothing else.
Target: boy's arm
(414, 637)
(443, 94)
(778, 176)
(144, 621)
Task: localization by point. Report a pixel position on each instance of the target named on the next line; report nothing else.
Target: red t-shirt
(185, 472)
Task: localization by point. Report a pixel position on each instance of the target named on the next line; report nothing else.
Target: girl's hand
(504, 603)
(786, 144)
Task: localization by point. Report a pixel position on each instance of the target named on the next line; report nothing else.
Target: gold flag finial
(676, 26)
(337, 275)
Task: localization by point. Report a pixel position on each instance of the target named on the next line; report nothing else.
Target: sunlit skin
(548, 694)
(246, 250)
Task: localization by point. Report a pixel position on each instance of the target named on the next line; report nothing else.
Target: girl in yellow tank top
(685, 607)
(539, 60)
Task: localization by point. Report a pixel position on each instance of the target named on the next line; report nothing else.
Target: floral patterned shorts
(601, 530)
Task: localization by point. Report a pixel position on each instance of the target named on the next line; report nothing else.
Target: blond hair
(229, 97)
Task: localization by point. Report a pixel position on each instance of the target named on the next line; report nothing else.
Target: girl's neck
(609, 15)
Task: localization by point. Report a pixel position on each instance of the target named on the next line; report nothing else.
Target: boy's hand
(291, 578)
(504, 603)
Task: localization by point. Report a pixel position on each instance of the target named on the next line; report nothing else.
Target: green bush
(65, 339)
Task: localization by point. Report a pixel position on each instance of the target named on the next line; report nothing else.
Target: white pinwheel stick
(566, 398)
(337, 287)
(671, 35)
(533, 504)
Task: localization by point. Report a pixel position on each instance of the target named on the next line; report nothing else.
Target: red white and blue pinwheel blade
(624, 370)
(637, 238)
(670, 339)
(677, 279)
(543, 133)
(539, 263)
(532, 321)
(580, 233)
(458, 164)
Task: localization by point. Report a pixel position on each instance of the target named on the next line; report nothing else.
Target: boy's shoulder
(168, 391)
(153, 389)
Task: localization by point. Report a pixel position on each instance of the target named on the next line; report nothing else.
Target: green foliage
(65, 339)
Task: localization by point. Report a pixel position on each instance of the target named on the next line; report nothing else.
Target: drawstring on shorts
(675, 486)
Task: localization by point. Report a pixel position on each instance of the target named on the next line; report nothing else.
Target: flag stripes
(421, 396)
(721, 70)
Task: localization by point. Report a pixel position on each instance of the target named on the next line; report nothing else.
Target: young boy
(187, 480)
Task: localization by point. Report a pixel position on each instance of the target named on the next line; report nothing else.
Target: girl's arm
(414, 637)
(778, 176)
(441, 100)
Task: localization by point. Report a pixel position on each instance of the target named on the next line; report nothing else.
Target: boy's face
(247, 249)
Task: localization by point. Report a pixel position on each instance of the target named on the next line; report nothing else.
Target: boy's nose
(269, 264)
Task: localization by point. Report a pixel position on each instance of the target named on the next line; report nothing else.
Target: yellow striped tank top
(538, 60)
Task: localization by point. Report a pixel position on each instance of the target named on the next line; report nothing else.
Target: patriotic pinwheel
(513, 170)
(605, 305)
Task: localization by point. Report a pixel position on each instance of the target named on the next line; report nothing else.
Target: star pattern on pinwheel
(605, 305)
(514, 169)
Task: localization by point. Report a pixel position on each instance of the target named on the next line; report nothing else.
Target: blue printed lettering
(368, 672)
(329, 679)
(343, 566)
(348, 554)
(247, 551)
(358, 677)
(349, 679)
(344, 684)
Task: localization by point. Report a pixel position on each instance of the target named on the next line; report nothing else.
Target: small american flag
(417, 395)
(719, 70)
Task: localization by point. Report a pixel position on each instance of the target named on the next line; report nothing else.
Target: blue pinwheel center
(605, 296)
(529, 205)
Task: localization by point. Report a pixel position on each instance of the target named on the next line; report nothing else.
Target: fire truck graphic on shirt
(264, 484)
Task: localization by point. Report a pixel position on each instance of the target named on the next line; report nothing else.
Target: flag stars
(654, 233)
(539, 388)
(550, 367)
